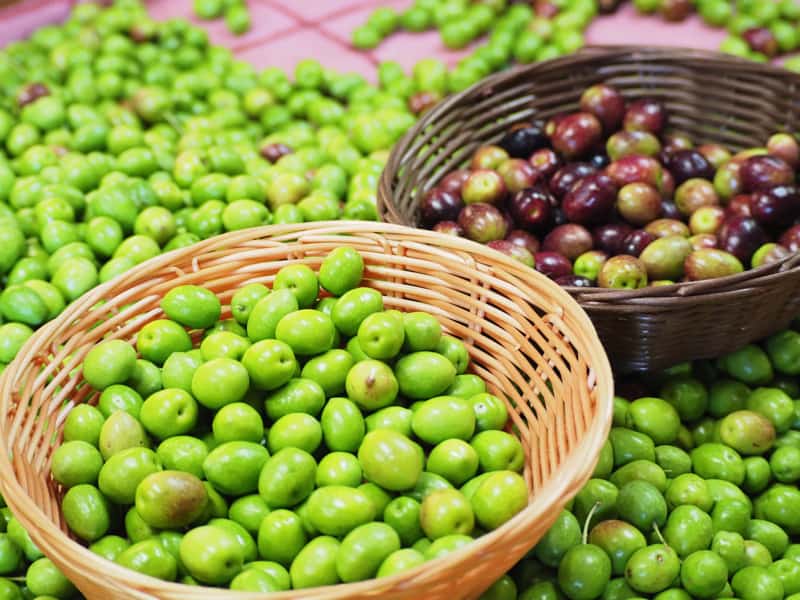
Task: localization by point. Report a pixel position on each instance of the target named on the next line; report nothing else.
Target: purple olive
(667, 227)
(785, 147)
(646, 114)
(715, 154)
(693, 194)
(688, 164)
(639, 203)
(624, 143)
(454, 181)
(706, 219)
(635, 168)
(570, 240)
(552, 264)
(488, 157)
(545, 161)
(703, 240)
(605, 103)
(791, 238)
(765, 171)
(531, 208)
(710, 263)
(636, 241)
(524, 141)
(482, 222)
(741, 236)
(484, 186)
(776, 206)
(761, 39)
(623, 271)
(439, 205)
(591, 200)
(273, 152)
(610, 238)
(574, 281)
(559, 218)
(516, 252)
(517, 174)
(769, 253)
(520, 237)
(739, 206)
(669, 210)
(449, 228)
(567, 176)
(577, 134)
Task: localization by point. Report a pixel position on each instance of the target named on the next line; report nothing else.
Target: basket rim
(572, 470)
(789, 264)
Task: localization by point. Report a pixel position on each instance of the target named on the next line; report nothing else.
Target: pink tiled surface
(287, 31)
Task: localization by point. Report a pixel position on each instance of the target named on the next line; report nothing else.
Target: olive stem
(658, 534)
(585, 537)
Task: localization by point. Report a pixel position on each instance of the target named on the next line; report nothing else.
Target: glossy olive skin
(635, 169)
(570, 240)
(636, 241)
(666, 227)
(449, 228)
(574, 281)
(531, 208)
(764, 172)
(741, 236)
(517, 174)
(775, 206)
(482, 222)
(516, 252)
(567, 176)
(576, 134)
(552, 264)
(689, 164)
(591, 200)
(524, 141)
(522, 238)
(484, 185)
(791, 238)
(454, 181)
(710, 263)
(761, 39)
(545, 162)
(623, 271)
(610, 238)
(739, 206)
(624, 143)
(646, 114)
(785, 147)
(605, 103)
(639, 203)
(439, 204)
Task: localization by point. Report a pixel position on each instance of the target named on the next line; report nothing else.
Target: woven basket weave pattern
(527, 338)
(711, 97)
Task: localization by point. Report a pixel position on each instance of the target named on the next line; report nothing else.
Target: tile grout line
(270, 37)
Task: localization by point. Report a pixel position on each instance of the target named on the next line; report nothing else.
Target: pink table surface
(287, 31)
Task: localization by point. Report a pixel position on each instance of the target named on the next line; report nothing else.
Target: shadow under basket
(527, 338)
(714, 98)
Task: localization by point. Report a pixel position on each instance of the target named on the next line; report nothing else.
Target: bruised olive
(646, 114)
(605, 103)
(31, 93)
(522, 142)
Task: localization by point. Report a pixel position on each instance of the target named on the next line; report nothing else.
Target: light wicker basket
(715, 98)
(528, 338)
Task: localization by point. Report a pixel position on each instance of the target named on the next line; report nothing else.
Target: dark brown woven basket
(714, 98)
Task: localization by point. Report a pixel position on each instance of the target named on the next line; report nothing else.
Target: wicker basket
(527, 338)
(713, 98)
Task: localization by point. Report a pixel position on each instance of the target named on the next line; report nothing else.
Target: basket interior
(527, 339)
(712, 98)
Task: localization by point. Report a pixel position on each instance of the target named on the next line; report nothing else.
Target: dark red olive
(574, 281)
(776, 206)
(739, 206)
(676, 10)
(449, 228)
(519, 253)
(454, 181)
(484, 185)
(765, 171)
(605, 103)
(646, 114)
(423, 101)
(785, 147)
(439, 205)
(273, 152)
(552, 264)
(545, 161)
(517, 174)
(636, 241)
(611, 237)
(31, 92)
(667, 185)
(741, 236)
(577, 134)
(482, 222)
(531, 208)
(570, 239)
(488, 157)
(688, 164)
(522, 142)
(791, 238)
(761, 39)
(520, 237)
(559, 218)
(567, 176)
(591, 201)
(635, 168)
(672, 142)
